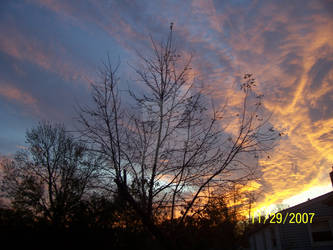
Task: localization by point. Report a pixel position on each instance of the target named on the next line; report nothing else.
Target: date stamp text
(284, 218)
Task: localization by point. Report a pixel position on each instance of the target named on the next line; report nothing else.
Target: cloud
(319, 71)
(289, 49)
(25, 49)
(14, 94)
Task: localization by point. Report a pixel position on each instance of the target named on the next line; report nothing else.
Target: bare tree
(51, 176)
(172, 148)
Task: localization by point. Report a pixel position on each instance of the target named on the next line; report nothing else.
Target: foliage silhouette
(51, 176)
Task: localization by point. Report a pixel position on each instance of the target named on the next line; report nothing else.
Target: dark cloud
(292, 64)
(319, 71)
(274, 40)
(327, 136)
(323, 109)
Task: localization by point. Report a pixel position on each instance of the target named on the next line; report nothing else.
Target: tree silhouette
(167, 157)
(51, 176)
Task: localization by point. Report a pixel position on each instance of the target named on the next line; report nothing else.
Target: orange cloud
(291, 55)
(302, 160)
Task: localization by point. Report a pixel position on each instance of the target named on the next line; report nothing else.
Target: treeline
(92, 216)
(101, 223)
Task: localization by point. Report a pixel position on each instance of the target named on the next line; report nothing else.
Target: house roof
(325, 198)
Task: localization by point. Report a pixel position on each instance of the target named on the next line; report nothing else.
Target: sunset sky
(50, 51)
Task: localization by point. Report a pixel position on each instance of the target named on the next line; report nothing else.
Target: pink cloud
(50, 57)
(14, 94)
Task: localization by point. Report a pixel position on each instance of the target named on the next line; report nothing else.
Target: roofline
(308, 202)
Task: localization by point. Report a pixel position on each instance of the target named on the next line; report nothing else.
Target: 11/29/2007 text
(283, 218)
